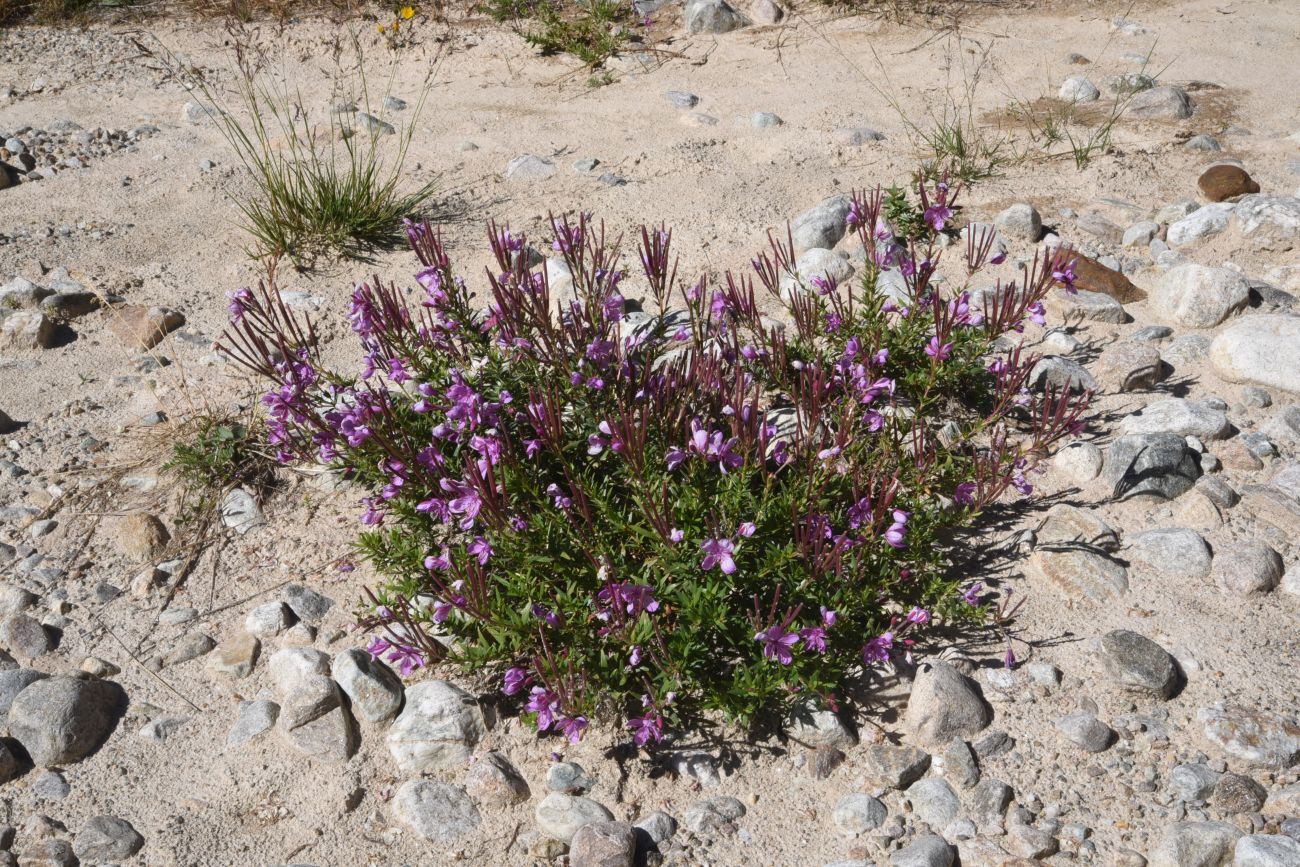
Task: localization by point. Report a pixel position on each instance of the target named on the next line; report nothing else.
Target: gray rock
(1086, 731)
(1130, 82)
(255, 718)
(1203, 143)
(933, 801)
(1255, 735)
(856, 136)
(1161, 103)
(1263, 349)
(822, 226)
(569, 777)
(945, 704)
(291, 667)
(1020, 220)
(439, 728)
(856, 813)
(394, 103)
(987, 803)
(957, 764)
(1268, 218)
(1100, 228)
(310, 606)
(1191, 782)
(658, 825)
(1093, 307)
(1203, 222)
(1246, 568)
(1179, 416)
(1266, 850)
(818, 727)
(894, 767)
(51, 786)
(26, 331)
(373, 688)
(559, 816)
(603, 844)
(190, 646)
(1081, 573)
(236, 656)
(682, 98)
(1080, 461)
(1198, 296)
(1137, 664)
(1151, 464)
(1061, 374)
(315, 721)
(493, 780)
(160, 729)
(106, 839)
(269, 620)
(1077, 88)
(61, 720)
(14, 681)
(373, 126)
(438, 812)
(1194, 844)
(713, 814)
(240, 511)
(765, 120)
(1171, 553)
(529, 167)
(23, 636)
(1140, 234)
(712, 16)
(928, 850)
(1066, 525)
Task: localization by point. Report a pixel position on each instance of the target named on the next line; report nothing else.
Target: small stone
(928, 850)
(24, 636)
(988, 803)
(1225, 181)
(712, 16)
(713, 815)
(1203, 143)
(96, 667)
(1192, 782)
(255, 718)
(856, 813)
(1086, 731)
(195, 112)
(143, 328)
(269, 620)
(765, 12)
(1077, 88)
(1246, 568)
(1080, 461)
(765, 120)
(308, 605)
(894, 767)
(438, 812)
(373, 688)
(568, 777)
(241, 512)
(958, 765)
(822, 226)
(1161, 103)
(659, 826)
(1137, 664)
(1237, 793)
(1201, 223)
(603, 844)
(529, 167)
(51, 786)
(1258, 736)
(106, 839)
(1152, 464)
(1172, 553)
(1096, 278)
(140, 536)
(26, 331)
(1266, 850)
(945, 704)
(1100, 228)
(189, 646)
(1140, 234)
(560, 816)
(314, 720)
(493, 780)
(933, 801)
(818, 727)
(159, 730)
(856, 136)
(1198, 296)
(1194, 844)
(1020, 220)
(1061, 374)
(394, 103)
(235, 656)
(1066, 525)
(1132, 366)
(1081, 573)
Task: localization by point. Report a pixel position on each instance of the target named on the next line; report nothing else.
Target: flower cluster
(674, 506)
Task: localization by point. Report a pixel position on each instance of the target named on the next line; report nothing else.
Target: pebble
(603, 844)
(765, 120)
(1191, 782)
(24, 636)
(712, 16)
(894, 767)
(1194, 844)
(1160, 103)
(1257, 736)
(1262, 349)
(493, 780)
(437, 812)
(944, 704)
(929, 850)
(1136, 664)
(1171, 553)
(1086, 731)
(823, 226)
(1080, 461)
(159, 730)
(106, 839)
(1201, 223)
(373, 688)
(568, 777)
(1077, 88)
(560, 816)
(1158, 464)
(51, 786)
(1247, 567)
(933, 801)
(1225, 181)
(269, 620)
(1237, 793)
(856, 813)
(529, 167)
(255, 718)
(682, 98)
(713, 814)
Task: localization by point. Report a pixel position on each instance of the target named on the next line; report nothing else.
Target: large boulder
(1198, 296)
(1261, 349)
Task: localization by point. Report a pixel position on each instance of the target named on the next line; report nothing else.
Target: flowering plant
(660, 512)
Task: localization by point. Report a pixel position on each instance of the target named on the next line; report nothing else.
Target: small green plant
(336, 188)
(217, 454)
(591, 30)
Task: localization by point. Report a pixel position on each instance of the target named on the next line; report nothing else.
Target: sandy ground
(154, 227)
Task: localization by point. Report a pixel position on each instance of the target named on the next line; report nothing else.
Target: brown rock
(141, 536)
(8, 176)
(144, 327)
(1222, 182)
(1092, 276)
(603, 844)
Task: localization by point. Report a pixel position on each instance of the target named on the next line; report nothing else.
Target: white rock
(1262, 349)
(1077, 88)
(438, 728)
(1201, 223)
(1199, 297)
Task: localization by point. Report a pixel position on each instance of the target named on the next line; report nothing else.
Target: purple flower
(777, 644)
(919, 616)
(717, 552)
(441, 563)
(546, 615)
(878, 649)
(814, 638)
(828, 617)
(1064, 274)
(465, 502)
(515, 680)
(571, 727)
(971, 595)
(746, 529)
(1037, 313)
(896, 535)
(938, 351)
(480, 548)
(1010, 659)
(406, 658)
(937, 215)
(965, 494)
(676, 535)
(238, 301)
(562, 501)
(544, 703)
(634, 658)
(646, 728)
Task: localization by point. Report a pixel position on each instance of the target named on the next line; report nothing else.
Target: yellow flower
(407, 13)
(381, 28)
